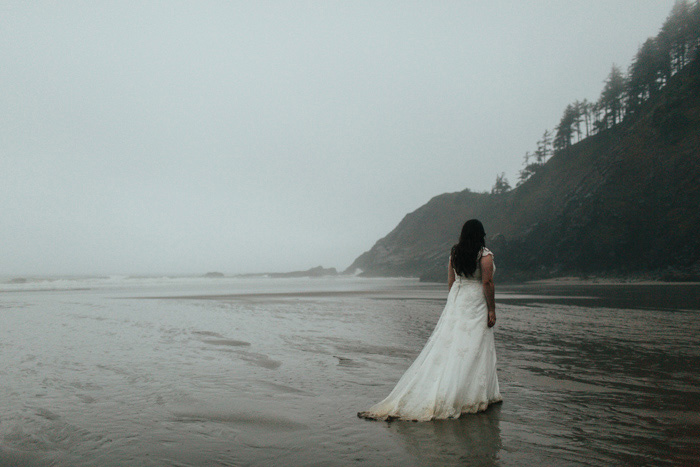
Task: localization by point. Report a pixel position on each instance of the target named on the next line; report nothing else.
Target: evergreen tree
(578, 111)
(501, 185)
(587, 109)
(676, 38)
(694, 31)
(645, 75)
(528, 170)
(612, 97)
(544, 148)
(565, 129)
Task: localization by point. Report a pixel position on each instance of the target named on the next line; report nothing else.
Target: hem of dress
(367, 415)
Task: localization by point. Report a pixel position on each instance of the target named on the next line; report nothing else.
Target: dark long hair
(465, 253)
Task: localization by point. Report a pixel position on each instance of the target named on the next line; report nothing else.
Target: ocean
(188, 371)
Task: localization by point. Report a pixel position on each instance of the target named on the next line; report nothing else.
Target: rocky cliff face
(625, 202)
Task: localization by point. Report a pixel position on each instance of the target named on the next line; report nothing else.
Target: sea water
(185, 371)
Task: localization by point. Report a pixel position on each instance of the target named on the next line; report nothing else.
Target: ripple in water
(273, 371)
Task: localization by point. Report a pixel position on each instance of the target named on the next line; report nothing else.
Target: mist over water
(243, 137)
(138, 138)
(192, 371)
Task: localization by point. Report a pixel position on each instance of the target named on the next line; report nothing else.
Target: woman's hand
(492, 318)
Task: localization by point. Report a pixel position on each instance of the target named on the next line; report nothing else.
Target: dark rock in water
(214, 275)
(321, 271)
(318, 271)
(18, 280)
(620, 203)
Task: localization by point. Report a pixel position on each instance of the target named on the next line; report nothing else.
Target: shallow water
(191, 371)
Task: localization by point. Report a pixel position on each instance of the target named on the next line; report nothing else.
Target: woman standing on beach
(455, 373)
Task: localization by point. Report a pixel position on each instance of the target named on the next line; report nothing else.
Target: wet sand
(272, 372)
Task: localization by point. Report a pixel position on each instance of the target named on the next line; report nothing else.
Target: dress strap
(484, 252)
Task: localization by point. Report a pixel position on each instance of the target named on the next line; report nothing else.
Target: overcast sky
(185, 137)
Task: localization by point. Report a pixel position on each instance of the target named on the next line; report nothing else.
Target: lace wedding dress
(455, 373)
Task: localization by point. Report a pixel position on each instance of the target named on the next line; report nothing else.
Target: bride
(455, 373)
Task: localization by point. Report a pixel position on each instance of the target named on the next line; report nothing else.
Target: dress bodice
(476, 277)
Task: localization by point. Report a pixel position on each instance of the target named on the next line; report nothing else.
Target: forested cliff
(622, 201)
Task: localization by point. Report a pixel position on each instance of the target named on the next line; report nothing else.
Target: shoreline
(574, 280)
(577, 281)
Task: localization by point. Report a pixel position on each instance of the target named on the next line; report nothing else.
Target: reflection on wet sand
(274, 422)
(274, 375)
(473, 439)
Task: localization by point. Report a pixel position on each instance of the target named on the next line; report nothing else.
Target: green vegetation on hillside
(615, 194)
(657, 60)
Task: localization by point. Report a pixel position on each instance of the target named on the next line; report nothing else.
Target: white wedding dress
(455, 373)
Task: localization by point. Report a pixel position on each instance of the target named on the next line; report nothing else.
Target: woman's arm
(489, 288)
(450, 274)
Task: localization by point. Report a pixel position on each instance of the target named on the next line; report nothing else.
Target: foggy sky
(185, 137)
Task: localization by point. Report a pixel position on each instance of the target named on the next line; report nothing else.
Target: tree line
(657, 60)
